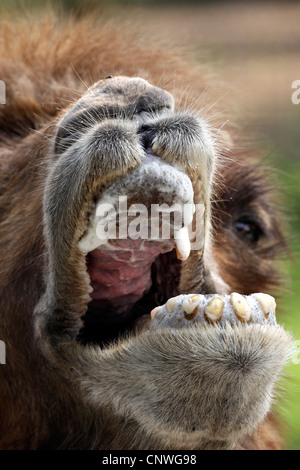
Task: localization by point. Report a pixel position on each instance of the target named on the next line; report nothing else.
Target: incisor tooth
(214, 309)
(191, 303)
(267, 303)
(241, 307)
(171, 303)
(153, 312)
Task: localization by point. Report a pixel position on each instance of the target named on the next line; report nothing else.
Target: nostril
(154, 101)
(146, 134)
(154, 109)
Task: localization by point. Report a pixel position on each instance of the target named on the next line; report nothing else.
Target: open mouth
(132, 276)
(129, 278)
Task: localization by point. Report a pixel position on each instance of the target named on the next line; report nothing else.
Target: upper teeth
(182, 243)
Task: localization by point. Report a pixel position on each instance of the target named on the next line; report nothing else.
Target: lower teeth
(183, 310)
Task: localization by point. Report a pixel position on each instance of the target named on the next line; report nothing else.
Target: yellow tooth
(267, 303)
(171, 303)
(241, 307)
(214, 309)
(182, 243)
(191, 315)
(153, 312)
(178, 254)
(191, 303)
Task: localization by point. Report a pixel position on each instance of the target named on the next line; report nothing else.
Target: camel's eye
(248, 228)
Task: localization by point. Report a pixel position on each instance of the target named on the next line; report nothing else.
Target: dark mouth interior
(129, 278)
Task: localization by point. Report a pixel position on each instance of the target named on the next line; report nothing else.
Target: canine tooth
(153, 312)
(214, 309)
(172, 302)
(267, 303)
(191, 303)
(182, 243)
(241, 307)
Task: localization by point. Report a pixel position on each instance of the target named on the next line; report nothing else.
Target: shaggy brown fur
(49, 396)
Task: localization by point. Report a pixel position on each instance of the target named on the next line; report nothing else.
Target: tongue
(121, 274)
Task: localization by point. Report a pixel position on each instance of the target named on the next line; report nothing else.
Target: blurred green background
(254, 48)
